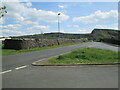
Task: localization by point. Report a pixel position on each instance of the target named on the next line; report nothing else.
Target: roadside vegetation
(86, 55)
(11, 52)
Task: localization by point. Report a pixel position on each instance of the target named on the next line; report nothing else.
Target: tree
(2, 11)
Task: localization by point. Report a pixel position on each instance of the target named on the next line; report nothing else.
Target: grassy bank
(11, 52)
(86, 55)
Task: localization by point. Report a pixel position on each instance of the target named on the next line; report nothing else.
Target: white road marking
(5, 71)
(21, 67)
(15, 68)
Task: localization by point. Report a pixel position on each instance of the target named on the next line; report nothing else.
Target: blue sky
(76, 17)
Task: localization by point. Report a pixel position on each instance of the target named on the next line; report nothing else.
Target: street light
(58, 24)
(42, 33)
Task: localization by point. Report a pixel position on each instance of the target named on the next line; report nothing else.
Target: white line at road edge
(21, 67)
(5, 71)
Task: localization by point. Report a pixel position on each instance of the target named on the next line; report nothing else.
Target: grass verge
(11, 52)
(86, 55)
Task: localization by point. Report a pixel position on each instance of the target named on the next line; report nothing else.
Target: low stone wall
(112, 41)
(36, 43)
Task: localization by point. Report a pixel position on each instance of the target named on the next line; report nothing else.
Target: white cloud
(73, 26)
(23, 15)
(20, 12)
(12, 32)
(10, 0)
(15, 0)
(28, 23)
(46, 16)
(1, 20)
(11, 27)
(83, 30)
(113, 26)
(14, 7)
(98, 17)
(14, 16)
(29, 4)
(14, 11)
(78, 30)
(39, 27)
(61, 6)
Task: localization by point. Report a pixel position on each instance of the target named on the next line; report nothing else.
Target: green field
(11, 52)
(86, 55)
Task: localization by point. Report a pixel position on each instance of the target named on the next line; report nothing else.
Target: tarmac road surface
(62, 77)
(23, 59)
(19, 73)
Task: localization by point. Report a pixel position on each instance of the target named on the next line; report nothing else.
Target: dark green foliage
(2, 11)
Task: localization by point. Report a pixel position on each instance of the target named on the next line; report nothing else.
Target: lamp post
(59, 24)
(42, 33)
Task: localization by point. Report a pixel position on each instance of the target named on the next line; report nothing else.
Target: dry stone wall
(36, 43)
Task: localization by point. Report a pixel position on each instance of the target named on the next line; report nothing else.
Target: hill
(55, 36)
(105, 35)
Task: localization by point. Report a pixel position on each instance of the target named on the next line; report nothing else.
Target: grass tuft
(86, 55)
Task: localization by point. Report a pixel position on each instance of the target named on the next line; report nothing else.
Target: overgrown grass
(11, 52)
(86, 55)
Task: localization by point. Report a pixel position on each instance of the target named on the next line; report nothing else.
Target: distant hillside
(105, 35)
(55, 36)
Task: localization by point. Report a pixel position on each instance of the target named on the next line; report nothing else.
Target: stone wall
(36, 43)
(111, 40)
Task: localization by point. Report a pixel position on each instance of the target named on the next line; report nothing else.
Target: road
(62, 77)
(22, 59)
(18, 72)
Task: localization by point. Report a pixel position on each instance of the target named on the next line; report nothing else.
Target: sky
(28, 18)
